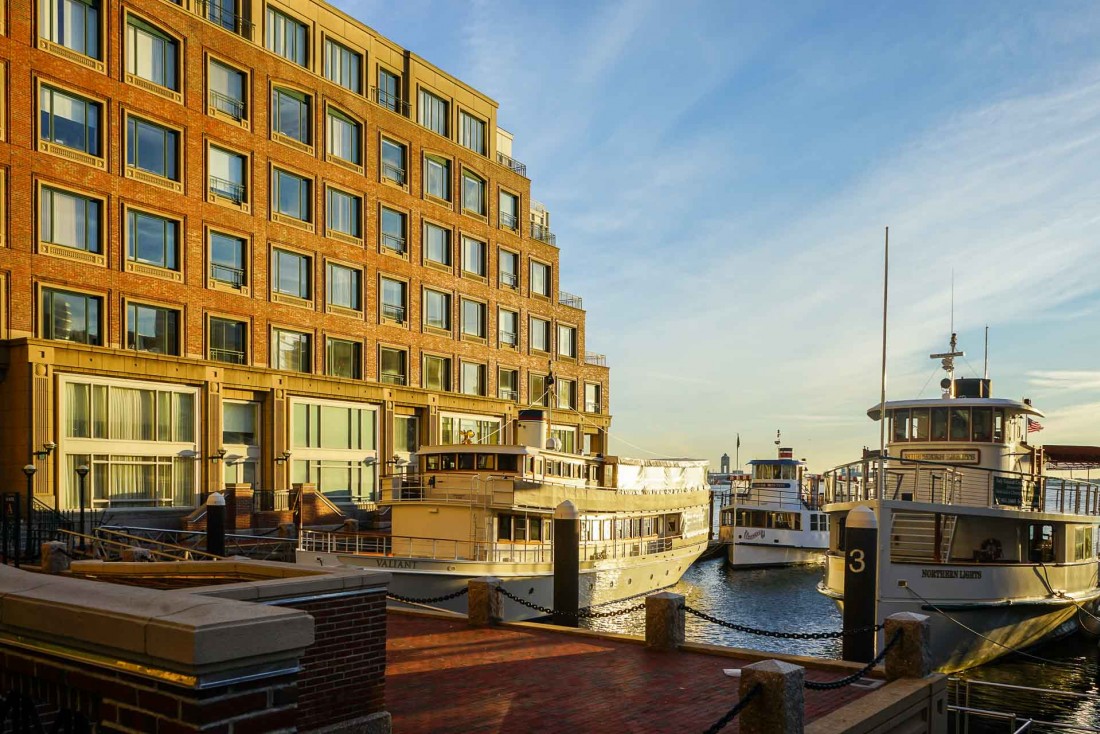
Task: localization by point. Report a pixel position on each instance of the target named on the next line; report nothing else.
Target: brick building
(257, 242)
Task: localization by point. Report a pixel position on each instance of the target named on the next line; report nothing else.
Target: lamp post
(82, 472)
(29, 470)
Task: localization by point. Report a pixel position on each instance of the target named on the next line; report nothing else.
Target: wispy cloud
(1066, 380)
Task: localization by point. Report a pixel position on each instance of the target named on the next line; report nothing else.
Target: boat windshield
(471, 462)
(775, 471)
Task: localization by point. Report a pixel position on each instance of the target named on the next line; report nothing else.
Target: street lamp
(29, 470)
(218, 456)
(46, 450)
(82, 472)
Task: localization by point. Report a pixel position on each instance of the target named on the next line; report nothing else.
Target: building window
(227, 259)
(473, 257)
(151, 54)
(393, 300)
(291, 350)
(228, 90)
(509, 211)
(567, 393)
(335, 446)
(473, 378)
(591, 397)
(228, 172)
(73, 24)
(471, 133)
(226, 14)
(343, 358)
(241, 441)
(437, 244)
(71, 317)
(152, 329)
(392, 366)
(537, 390)
(508, 264)
(344, 213)
(343, 285)
(290, 195)
(152, 240)
(567, 440)
(389, 90)
(290, 274)
(507, 384)
(473, 319)
(152, 148)
(437, 310)
(344, 135)
(437, 373)
(343, 66)
(433, 112)
(70, 220)
(455, 429)
(393, 161)
(509, 328)
(437, 177)
(406, 435)
(69, 120)
(473, 193)
(567, 341)
(227, 340)
(540, 278)
(540, 335)
(287, 37)
(290, 114)
(392, 231)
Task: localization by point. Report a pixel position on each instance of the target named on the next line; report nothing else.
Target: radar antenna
(948, 383)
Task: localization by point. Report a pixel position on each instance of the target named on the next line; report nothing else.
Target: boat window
(765, 471)
(431, 463)
(447, 462)
(1040, 543)
(960, 424)
(785, 521)
(901, 425)
(507, 462)
(672, 524)
(466, 462)
(752, 519)
(982, 424)
(486, 462)
(999, 425)
(919, 430)
(535, 528)
(504, 527)
(1082, 543)
(939, 424)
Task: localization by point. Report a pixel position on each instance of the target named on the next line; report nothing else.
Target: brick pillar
(307, 491)
(239, 506)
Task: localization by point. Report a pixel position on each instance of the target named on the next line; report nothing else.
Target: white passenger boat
(971, 530)
(469, 511)
(777, 520)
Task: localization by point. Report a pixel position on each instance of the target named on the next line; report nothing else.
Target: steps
(913, 537)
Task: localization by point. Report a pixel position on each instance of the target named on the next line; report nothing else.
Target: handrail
(393, 173)
(511, 163)
(397, 313)
(225, 16)
(227, 105)
(508, 221)
(226, 189)
(393, 242)
(229, 356)
(227, 274)
(568, 299)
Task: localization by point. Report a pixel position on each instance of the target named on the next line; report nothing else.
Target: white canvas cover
(654, 474)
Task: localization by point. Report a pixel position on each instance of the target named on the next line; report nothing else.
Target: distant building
(725, 464)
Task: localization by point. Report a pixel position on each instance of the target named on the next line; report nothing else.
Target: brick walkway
(444, 676)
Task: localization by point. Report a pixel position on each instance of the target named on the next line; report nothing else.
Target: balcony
(592, 407)
(393, 173)
(225, 15)
(228, 106)
(391, 102)
(509, 221)
(508, 394)
(508, 339)
(542, 233)
(393, 313)
(568, 299)
(227, 274)
(392, 378)
(511, 164)
(231, 356)
(599, 360)
(230, 190)
(394, 243)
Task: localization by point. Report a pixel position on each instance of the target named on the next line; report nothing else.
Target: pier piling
(567, 564)
(215, 524)
(860, 584)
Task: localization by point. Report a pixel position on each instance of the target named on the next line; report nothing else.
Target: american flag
(1033, 426)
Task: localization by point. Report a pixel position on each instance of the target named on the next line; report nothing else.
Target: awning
(1071, 457)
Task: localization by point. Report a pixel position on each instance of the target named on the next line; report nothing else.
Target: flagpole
(738, 452)
(882, 398)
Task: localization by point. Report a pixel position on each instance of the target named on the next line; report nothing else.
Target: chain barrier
(776, 633)
(849, 680)
(428, 600)
(737, 707)
(579, 614)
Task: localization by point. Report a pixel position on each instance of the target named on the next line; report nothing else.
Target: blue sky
(720, 174)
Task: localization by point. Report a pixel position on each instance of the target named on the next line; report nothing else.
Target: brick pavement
(444, 676)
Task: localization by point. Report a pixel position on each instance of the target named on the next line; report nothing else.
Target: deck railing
(511, 163)
(542, 233)
(600, 360)
(568, 299)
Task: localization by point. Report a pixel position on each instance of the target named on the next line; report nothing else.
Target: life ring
(991, 549)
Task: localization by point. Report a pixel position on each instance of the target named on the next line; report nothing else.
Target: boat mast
(882, 398)
(986, 373)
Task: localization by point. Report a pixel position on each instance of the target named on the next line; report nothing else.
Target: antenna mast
(882, 399)
(986, 375)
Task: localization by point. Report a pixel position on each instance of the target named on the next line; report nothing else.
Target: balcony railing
(393, 313)
(508, 338)
(508, 221)
(393, 173)
(592, 407)
(231, 356)
(393, 242)
(231, 190)
(227, 105)
(391, 102)
(568, 299)
(508, 395)
(227, 274)
(509, 280)
(542, 233)
(600, 360)
(391, 378)
(511, 163)
(225, 15)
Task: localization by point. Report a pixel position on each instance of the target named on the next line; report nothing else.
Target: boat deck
(445, 676)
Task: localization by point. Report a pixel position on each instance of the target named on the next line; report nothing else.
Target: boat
(478, 510)
(973, 530)
(777, 519)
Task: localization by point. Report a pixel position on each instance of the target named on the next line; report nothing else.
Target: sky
(720, 176)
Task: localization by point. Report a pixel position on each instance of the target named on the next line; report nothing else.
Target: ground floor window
(349, 481)
(121, 481)
(335, 446)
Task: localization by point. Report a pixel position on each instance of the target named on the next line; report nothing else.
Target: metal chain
(429, 600)
(776, 633)
(847, 681)
(579, 614)
(737, 707)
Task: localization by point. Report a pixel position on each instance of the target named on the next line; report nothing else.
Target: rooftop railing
(600, 360)
(511, 163)
(542, 233)
(568, 299)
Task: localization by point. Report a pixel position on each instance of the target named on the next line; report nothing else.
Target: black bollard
(567, 564)
(215, 524)
(860, 584)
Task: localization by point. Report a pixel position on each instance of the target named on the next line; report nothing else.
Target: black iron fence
(21, 538)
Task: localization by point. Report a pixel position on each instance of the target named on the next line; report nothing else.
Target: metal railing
(230, 356)
(393, 242)
(393, 173)
(394, 313)
(391, 102)
(508, 338)
(227, 274)
(508, 221)
(231, 190)
(511, 163)
(568, 299)
(592, 407)
(542, 233)
(227, 105)
(510, 280)
(970, 701)
(256, 547)
(508, 395)
(393, 379)
(271, 500)
(599, 360)
(226, 16)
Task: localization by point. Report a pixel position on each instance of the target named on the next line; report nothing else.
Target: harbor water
(786, 600)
